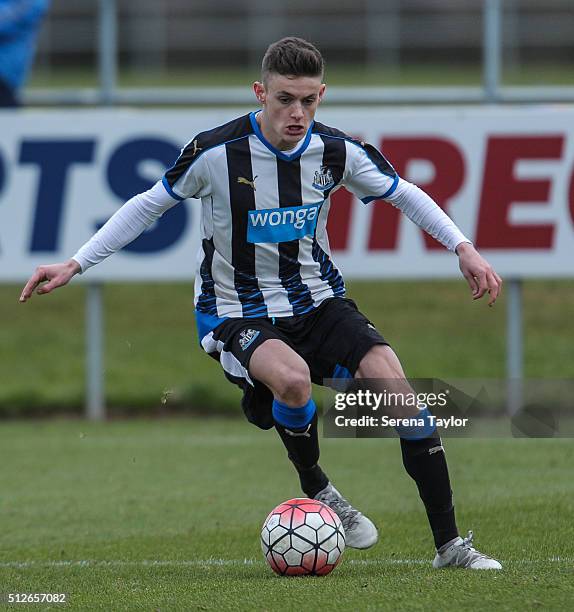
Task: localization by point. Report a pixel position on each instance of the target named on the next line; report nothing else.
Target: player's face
(289, 106)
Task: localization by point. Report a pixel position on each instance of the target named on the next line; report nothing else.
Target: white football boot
(460, 553)
(359, 530)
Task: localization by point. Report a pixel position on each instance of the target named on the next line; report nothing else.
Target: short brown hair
(292, 56)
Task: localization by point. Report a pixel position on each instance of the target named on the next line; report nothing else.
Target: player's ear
(259, 90)
(322, 92)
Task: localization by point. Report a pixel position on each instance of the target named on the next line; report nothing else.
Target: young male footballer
(269, 301)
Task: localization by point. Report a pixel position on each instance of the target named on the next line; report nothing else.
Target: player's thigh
(256, 350)
(380, 362)
(278, 366)
(340, 339)
(382, 372)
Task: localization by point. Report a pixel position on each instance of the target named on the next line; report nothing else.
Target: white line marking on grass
(214, 562)
(124, 563)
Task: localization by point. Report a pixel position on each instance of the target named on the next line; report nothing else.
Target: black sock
(312, 480)
(425, 463)
(303, 450)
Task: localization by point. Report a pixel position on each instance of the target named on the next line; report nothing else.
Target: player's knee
(294, 387)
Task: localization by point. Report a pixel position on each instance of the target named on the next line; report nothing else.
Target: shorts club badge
(246, 337)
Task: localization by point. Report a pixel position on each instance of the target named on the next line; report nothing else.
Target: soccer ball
(302, 537)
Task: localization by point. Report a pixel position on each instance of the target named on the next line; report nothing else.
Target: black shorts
(332, 339)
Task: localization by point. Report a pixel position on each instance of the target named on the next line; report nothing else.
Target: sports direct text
(365, 398)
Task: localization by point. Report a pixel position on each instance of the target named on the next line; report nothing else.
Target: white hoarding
(504, 174)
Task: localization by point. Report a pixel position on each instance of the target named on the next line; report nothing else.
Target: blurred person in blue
(19, 24)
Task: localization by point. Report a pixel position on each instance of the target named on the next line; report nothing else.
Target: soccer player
(270, 304)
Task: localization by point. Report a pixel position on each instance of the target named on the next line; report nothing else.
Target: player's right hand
(56, 274)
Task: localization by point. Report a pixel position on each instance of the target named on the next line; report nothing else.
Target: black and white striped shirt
(265, 251)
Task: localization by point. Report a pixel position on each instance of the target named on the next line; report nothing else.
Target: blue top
(19, 24)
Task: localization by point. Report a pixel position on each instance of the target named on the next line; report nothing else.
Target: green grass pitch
(165, 515)
(152, 354)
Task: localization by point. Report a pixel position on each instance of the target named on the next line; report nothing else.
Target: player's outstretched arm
(479, 274)
(427, 214)
(371, 174)
(56, 275)
(133, 218)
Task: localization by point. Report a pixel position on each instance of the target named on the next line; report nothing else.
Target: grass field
(165, 515)
(152, 355)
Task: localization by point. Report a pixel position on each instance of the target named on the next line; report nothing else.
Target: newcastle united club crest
(323, 179)
(246, 337)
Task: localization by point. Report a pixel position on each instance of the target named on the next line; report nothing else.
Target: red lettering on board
(448, 163)
(501, 189)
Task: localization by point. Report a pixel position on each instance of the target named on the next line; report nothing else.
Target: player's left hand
(479, 274)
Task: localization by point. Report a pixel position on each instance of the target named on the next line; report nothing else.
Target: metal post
(514, 346)
(95, 402)
(107, 51)
(492, 48)
(265, 24)
(492, 59)
(107, 65)
(383, 37)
